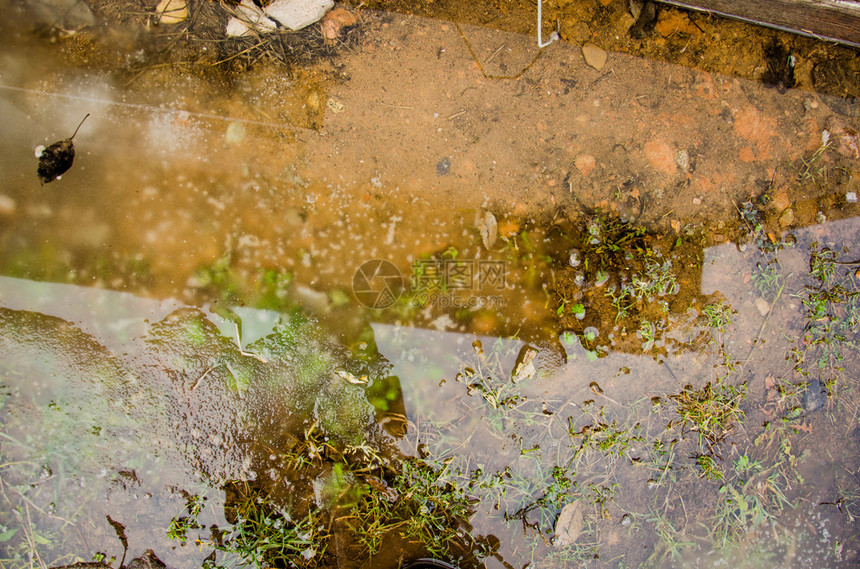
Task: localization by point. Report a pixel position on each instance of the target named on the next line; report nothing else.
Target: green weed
(262, 535)
(718, 316)
(768, 279)
(711, 412)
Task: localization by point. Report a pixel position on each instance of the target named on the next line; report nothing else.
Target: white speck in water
(389, 238)
(39, 149)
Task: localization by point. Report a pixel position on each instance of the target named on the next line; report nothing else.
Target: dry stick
(481, 67)
(764, 323)
(26, 499)
(243, 352)
(21, 521)
(497, 52)
(243, 52)
(27, 532)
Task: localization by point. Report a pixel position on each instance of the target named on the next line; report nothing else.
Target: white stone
(298, 14)
(489, 230)
(7, 206)
(172, 11)
(235, 133)
(249, 18)
(762, 306)
(851, 197)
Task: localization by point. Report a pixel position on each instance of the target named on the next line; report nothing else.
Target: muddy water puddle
(442, 295)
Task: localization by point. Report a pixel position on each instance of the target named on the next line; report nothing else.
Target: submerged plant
(711, 412)
(832, 304)
(262, 535)
(768, 279)
(718, 315)
(424, 506)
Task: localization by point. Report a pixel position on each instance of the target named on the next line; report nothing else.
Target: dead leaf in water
(569, 525)
(55, 160)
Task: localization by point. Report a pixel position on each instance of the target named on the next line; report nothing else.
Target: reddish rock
(756, 129)
(781, 199)
(845, 139)
(585, 163)
(746, 154)
(660, 156)
(334, 23)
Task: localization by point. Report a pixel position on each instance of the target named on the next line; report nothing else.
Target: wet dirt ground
(189, 184)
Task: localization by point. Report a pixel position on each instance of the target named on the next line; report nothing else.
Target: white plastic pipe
(554, 36)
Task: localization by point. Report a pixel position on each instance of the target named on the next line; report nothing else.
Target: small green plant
(424, 506)
(711, 412)
(754, 496)
(672, 541)
(601, 495)
(708, 467)
(648, 334)
(832, 304)
(541, 496)
(718, 315)
(768, 279)
(609, 439)
(262, 534)
(621, 299)
(609, 240)
(181, 525)
(658, 280)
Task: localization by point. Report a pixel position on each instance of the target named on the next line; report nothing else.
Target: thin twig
(26, 499)
(764, 323)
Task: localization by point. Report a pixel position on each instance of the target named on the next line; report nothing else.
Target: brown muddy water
(438, 294)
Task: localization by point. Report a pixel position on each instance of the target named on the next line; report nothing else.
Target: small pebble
(815, 396)
(682, 159)
(697, 201)
(851, 197)
(574, 258)
(443, 167)
(787, 218)
(585, 163)
(235, 133)
(172, 11)
(762, 306)
(594, 56)
(7, 206)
